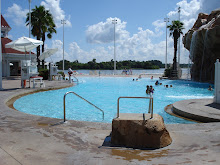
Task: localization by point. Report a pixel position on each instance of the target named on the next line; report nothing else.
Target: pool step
(140, 131)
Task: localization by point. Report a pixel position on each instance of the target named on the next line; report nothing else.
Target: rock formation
(133, 131)
(203, 42)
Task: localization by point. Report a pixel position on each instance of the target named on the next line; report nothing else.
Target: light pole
(166, 20)
(179, 40)
(30, 23)
(114, 21)
(63, 22)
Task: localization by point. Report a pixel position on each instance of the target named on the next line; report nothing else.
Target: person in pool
(148, 90)
(151, 89)
(157, 82)
(210, 88)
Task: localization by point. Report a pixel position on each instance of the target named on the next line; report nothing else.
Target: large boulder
(203, 42)
(140, 131)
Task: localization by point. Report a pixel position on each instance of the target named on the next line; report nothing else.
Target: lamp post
(63, 22)
(179, 40)
(114, 21)
(166, 20)
(30, 23)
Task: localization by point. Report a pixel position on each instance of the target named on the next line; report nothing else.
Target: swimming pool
(104, 92)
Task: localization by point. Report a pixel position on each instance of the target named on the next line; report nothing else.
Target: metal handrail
(64, 105)
(150, 104)
(76, 79)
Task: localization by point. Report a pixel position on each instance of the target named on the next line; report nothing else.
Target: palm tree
(175, 30)
(48, 27)
(41, 23)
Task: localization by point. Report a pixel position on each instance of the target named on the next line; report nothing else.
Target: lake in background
(118, 72)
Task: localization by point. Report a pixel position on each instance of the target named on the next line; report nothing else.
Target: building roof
(4, 23)
(9, 50)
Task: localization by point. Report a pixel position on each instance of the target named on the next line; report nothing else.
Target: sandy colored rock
(203, 43)
(140, 131)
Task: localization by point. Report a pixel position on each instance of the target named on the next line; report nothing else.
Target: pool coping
(202, 110)
(10, 101)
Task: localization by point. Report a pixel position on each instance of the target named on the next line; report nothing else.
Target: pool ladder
(150, 109)
(64, 104)
(77, 80)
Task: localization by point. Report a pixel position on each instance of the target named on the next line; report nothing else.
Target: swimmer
(210, 88)
(156, 83)
(171, 86)
(147, 90)
(151, 89)
(167, 86)
(152, 77)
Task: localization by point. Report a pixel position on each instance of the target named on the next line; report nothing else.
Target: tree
(41, 23)
(48, 27)
(175, 30)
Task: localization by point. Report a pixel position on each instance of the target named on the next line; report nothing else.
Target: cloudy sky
(89, 33)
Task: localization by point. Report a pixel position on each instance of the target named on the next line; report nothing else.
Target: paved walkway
(27, 139)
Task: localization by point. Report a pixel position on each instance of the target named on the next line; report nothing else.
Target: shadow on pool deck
(214, 105)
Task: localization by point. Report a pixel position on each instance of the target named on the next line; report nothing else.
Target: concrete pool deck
(202, 110)
(27, 139)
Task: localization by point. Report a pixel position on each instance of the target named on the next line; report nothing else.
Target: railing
(76, 79)
(64, 105)
(150, 109)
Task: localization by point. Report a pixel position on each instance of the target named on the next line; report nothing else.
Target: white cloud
(17, 14)
(139, 46)
(59, 54)
(159, 24)
(188, 13)
(99, 53)
(57, 12)
(103, 32)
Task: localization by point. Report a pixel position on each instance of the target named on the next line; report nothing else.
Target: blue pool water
(104, 92)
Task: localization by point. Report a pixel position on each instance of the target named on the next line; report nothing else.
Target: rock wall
(203, 42)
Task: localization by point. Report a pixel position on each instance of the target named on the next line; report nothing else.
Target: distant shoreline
(146, 73)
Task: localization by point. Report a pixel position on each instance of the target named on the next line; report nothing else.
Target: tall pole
(30, 23)
(0, 53)
(63, 22)
(114, 22)
(166, 20)
(179, 40)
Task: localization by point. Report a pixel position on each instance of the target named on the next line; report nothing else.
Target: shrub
(62, 74)
(44, 73)
(167, 72)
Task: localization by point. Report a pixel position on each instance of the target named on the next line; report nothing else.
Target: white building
(11, 59)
